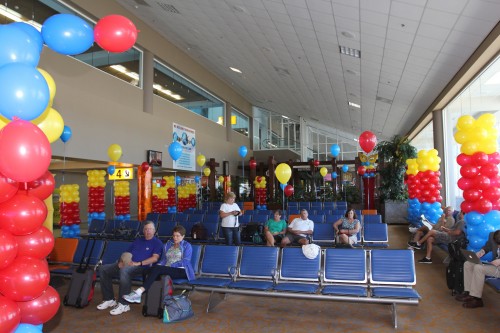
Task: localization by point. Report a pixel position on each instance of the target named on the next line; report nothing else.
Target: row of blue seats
(340, 205)
(357, 275)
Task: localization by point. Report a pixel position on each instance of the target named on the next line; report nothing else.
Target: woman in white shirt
(229, 212)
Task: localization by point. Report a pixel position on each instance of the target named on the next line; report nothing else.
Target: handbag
(177, 308)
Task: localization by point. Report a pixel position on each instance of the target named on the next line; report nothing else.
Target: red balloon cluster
(70, 213)
(480, 182)
(122, 205)
(115, 33)
(96, 199)
(260, 196)
(424, 186)
(185, 203)
(24, 243)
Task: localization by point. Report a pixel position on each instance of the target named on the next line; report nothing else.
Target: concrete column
(437, 125)
(147, 81)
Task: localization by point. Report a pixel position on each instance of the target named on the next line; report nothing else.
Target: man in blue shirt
(145, 252)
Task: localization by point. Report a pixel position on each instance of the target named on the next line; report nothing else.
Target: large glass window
(177, 89)
(481, 96)
(425, 139)
(125, 66)
(239, 122)
(272, 131)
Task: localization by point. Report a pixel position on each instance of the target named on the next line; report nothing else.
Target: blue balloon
(491, 218)
(101, 215)
(282, 186)
(67, 34)
(178, 180)
(345, 168)
(33, 33)
(334, 175)
(28, 328)
(18, 47)
(24, 93)
(243, 151)
(66, 134)
(111, 169)
(175, 150)
(335, 150)
(474, 218)
(197, 179)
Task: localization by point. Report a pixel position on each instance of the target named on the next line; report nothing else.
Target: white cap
(310, 251)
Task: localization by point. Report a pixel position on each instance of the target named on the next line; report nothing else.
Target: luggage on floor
(177, 308)
(455, 276)
(250, 231)
(82, 283)
(153, 305)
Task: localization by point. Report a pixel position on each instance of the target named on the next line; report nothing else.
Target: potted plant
(392, 156)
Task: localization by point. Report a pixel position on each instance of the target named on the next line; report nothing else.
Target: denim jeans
(108, 272)
(232, 235)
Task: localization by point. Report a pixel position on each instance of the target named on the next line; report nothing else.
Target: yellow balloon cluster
(412, 166)
(122, 188)
(160, 192)
(323, 171)
(69, 193)
(260, 182)
(185, 190)
(170, 181)
(428, 160)
(477, 135)
(96, 178)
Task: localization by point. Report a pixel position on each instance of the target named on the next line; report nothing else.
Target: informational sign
(122, 174)
(187, 138)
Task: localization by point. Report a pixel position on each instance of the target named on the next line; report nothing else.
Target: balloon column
(170, 184)
(367, 141)
(160, 196)
(96, 183)
(480, 180)
(260, 192)
(122, 200)
(70, 210)
(186, 197)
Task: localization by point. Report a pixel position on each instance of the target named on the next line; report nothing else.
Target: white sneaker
(106, 304)
(413, 230)
(119, 309)
(133, 297)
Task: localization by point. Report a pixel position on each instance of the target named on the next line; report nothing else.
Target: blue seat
(245, 218)
(293, 205)
(198, 218)
(261, 219)
(166, 217)
(211, 218)
(375, 234)
(111, 226)
(298, 273)
(152, 217)
(493, 282)
(195, 262)
(96, 227)
(329, 205)
(330, 219)
(164, 230)
(317, 218)
(322, 212)
(218, 263)
(316, 205)
(344, 272)
(341, 205)
(91, 257)
(305, 205)
(181, 217)
(131, 225)
(367, 219)
(392, 273)
(323, 233)
(293, 211)
(258, 263)
(113, 250)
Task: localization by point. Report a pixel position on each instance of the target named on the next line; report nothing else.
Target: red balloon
(42, 187)
(115, 33)
(252, 164)
(8, 248)
(41, 309)
(361, 170)
(288, 190)
(463, 159)
(25, 279)
(22, 214)
(163, 183)
(482, 182)
(483, 206)
(490, 170)
(466, 206)
(494, 158)
(8, 188)
(479, 158)
(38, 244)
(144, 166)
(26, 151)
(469, 171)
(464, 183)
(493, 194)
(10, 315)
(316, 163)
(472, 195)
(367, 141)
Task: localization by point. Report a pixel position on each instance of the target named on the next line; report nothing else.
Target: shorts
(294, 238)
(442, 237)
(278, 238)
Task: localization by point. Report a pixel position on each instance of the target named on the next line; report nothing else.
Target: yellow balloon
(460, 137)
(323, 171)
(201, 160)
(486, 120)
(51, 123)
(3, 121)
(283, 173)
(221, 179)
(206, 172)
(52, 85)
(465, 122)
(114, 152)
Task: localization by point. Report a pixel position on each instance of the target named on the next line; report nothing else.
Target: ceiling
(288, 52)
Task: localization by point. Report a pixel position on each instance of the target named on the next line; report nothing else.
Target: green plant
(350, 194)
(392, 156)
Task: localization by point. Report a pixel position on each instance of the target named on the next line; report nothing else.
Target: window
(239, 122)
(177, 89)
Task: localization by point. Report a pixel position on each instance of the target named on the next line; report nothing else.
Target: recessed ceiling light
(350, 51)
(235, 70)
(350, 71)
(348, 34)
(354, 105)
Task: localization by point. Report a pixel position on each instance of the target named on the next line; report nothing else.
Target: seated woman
(175, 262)
(347, 228)
(275, 229)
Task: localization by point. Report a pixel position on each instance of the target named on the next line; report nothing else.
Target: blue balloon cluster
(172, 209)
(479, 227)
(95, 215)
(431, 211)
(70, 231)
(28, 328)
(124, 217)
(261, 207)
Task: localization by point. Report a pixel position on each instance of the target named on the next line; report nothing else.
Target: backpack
(256, 238)
(249, 230)
(199, 231)
(177, 308)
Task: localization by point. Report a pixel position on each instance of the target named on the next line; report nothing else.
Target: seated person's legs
(286, 240)
(269, 238)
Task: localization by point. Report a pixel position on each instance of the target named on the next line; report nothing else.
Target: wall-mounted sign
(122, 174)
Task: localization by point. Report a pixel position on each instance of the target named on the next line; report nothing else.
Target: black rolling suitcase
(82, 283)
(455, 269)
(153, 305)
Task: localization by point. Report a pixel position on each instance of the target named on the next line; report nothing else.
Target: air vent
(142, 3)
(383, 100)
(168, 7)
(281, 71)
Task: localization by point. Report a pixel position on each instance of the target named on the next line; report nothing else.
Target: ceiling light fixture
(234, 69)
(350, 51)
(354, 105)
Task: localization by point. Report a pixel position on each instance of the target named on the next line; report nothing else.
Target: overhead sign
(122, 174)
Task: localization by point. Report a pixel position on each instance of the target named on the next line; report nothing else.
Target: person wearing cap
(298, 230)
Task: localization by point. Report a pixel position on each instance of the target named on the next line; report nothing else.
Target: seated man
(474, 274)
(298, 230)
(145, 252)
(445, 236)
(446, 220)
